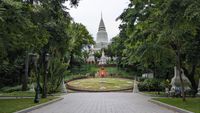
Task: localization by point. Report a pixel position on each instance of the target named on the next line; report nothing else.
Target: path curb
(176, 109)
(144, 94)
(149, 95)
(88, 90)
(38, 106)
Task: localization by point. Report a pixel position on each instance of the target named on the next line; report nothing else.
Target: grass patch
(84, 69)
(120, 72)
(101, 84)
(70, 77)
(81, 71)
(13, 105)
(18, 94)
(11, 88)
(154, 93)
(191, 104)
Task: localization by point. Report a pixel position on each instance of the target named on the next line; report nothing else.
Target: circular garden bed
(100, 84)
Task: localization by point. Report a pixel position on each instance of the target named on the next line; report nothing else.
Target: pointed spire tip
(101, 15)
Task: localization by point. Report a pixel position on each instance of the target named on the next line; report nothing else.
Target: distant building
(101, 42)
(102, 36)
(147, 75)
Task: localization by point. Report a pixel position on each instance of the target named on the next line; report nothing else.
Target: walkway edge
(38, 106)
(144, 94)
(176, 109)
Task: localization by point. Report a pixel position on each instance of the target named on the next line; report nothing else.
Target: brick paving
(103, 103)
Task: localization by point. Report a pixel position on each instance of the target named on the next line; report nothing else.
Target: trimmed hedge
(151, 85)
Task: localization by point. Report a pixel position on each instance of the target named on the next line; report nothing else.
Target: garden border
(39, 106)
(174, 108)
(86, 90)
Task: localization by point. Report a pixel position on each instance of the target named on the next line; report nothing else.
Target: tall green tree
(161, 34)
(80, 38)
(38, 26)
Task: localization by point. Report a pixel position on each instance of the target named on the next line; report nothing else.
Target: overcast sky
(89, 14)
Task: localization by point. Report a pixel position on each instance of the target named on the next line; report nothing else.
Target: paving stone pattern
(103, 103)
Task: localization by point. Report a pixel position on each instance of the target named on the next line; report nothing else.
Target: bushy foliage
(57, 72)
(158, 35)
(151, 85)
(26, 27)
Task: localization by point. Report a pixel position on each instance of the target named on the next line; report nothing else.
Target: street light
(44, 94)
(37, 95)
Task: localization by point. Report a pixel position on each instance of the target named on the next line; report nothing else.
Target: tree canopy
(158, 35)
(38, 26)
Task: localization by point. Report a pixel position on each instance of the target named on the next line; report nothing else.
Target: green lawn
(13, 105)
(191, 104)
(101, 84)
(118, 71)
(77, 72)
(84, 69)
(154, 93)
(18, 94)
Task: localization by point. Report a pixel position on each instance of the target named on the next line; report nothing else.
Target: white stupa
(103, 59)
(101, 42)
(102, 36)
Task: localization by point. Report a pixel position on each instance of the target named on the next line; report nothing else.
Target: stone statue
(198, 93)
(135, 88)
(102, 72)
(176, 82)
(63, 87)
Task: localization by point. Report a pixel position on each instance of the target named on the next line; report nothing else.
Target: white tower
(102, 36)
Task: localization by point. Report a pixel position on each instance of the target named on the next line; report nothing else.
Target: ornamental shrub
(151, 85)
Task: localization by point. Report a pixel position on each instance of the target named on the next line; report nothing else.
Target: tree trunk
(155, 75)
(178, 59)
(71, 60)
(25, 77)
(44, 93)
(191, 78)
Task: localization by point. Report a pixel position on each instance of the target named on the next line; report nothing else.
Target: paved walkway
(103, 103)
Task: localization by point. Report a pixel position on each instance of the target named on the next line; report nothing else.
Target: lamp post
(37, 95)
(44, 94)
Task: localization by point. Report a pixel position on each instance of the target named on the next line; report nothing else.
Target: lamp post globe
(47, 56)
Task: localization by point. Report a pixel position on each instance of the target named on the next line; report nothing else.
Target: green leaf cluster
(156, 35)
(39, 26)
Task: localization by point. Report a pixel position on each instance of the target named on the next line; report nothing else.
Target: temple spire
(102, 25)
(101, 15)
(102, 36)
